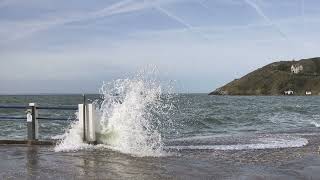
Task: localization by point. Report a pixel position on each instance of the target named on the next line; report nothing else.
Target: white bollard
(91, 123)
(81, 117)
(89, 120)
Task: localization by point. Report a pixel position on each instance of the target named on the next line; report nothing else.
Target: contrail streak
(174, 17)
(123, 6)
(180, 21)
(116, 8)
(265, 17)
(202, 3)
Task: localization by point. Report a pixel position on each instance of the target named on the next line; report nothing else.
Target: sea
(147, 131)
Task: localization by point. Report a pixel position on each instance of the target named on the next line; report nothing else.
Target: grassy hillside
(275, 78)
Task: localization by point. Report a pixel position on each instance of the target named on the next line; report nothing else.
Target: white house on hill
(308, 93)
(289, 92)
(296, 68)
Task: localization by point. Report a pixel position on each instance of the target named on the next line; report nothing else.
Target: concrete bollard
(87, 120)
(91, 123)
(32, 122)
(82, 117)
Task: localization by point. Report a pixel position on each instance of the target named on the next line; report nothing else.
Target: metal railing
(65, 108)
(86, 116)
(32, 117)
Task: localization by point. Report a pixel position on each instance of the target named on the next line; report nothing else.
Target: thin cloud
(302, 8)
(47, 24)
(6, 3)
(125, 6)
(303, 13)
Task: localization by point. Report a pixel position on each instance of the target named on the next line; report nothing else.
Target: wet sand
(41, 162)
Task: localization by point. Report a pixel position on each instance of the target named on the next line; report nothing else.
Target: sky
(58, 46)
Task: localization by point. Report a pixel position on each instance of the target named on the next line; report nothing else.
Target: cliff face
(276, 78)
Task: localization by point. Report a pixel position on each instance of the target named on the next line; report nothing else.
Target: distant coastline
(299, 78)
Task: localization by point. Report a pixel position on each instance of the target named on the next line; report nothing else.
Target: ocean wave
(316, 124)
(261, 143)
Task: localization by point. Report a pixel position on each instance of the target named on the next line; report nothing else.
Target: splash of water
(72, 140)
(130, 117)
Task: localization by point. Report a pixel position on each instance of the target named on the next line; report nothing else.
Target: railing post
(32, 122)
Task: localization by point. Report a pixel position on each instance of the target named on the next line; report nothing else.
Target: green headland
(279, 78)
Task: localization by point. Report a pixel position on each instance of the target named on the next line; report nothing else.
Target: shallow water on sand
(39, 162)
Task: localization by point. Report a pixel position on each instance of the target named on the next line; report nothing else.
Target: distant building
(308, 93)
(289, 92)
(296, 68)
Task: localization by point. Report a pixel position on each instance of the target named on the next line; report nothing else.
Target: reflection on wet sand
(32, 156)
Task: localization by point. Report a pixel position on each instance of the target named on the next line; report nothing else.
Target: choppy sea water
(197, 121)
(145, 133)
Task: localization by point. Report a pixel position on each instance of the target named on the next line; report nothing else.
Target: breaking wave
(130, 117)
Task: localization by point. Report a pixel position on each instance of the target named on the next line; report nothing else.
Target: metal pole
(84, 118)
(32, 123)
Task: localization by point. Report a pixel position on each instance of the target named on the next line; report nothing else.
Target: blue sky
(58, 46)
